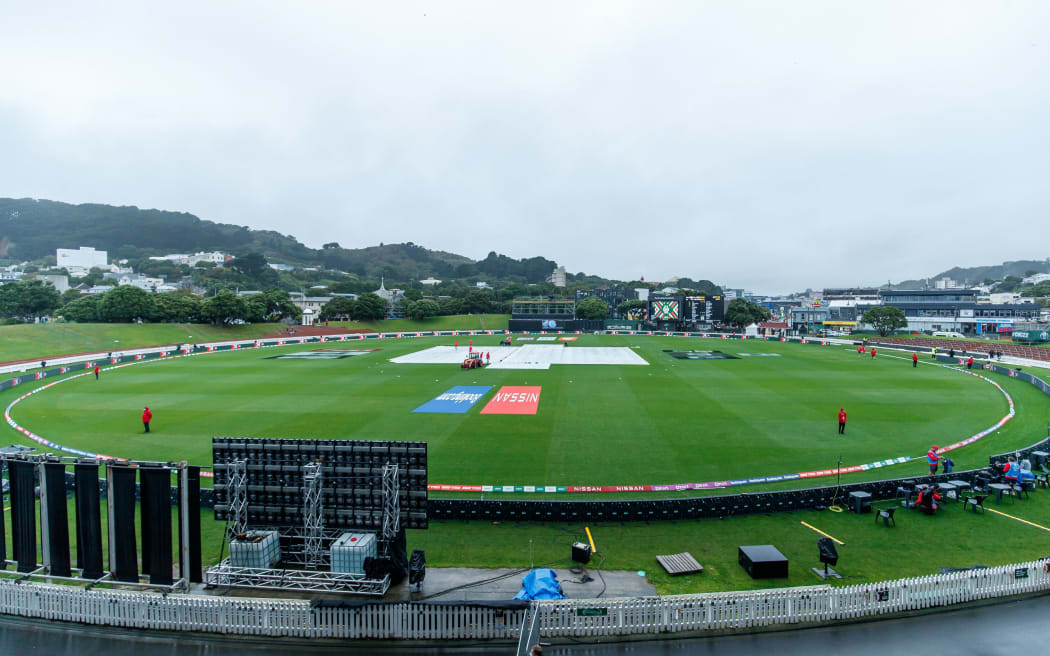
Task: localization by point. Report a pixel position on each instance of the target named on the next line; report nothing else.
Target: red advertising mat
(514, 401)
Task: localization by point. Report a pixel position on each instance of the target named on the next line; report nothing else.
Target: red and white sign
(567, 339)
(514, 401)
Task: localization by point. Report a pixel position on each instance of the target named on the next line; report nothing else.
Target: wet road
(1007, 628)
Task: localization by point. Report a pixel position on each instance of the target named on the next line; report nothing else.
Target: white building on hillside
(214, 257)
(1036, 279)
(79, 262)
(1004, 297)
(59, 281)
(311, 304)
(391, 296)
(557, 277)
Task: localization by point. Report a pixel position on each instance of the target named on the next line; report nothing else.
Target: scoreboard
(705, 309)
(686, 309)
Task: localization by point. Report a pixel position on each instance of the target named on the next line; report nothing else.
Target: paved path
(1016, 627)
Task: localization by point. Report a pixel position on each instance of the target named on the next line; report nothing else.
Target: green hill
(977, 275)
(31, 229)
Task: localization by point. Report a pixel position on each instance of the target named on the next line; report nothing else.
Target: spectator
(1011, 471)
(928, 498)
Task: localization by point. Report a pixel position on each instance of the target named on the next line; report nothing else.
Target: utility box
(349, 551)
(256, 549)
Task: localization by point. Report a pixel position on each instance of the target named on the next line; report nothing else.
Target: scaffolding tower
(238, 495)
(391, 502)
(313, 515)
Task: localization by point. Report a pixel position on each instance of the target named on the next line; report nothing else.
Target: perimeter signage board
(1031, 335)
(457, 400)
(514, 401)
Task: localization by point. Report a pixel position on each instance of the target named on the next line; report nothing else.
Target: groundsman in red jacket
(146, 417)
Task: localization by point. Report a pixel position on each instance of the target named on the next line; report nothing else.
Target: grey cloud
(767, 145)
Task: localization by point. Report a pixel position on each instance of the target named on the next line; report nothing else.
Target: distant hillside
(977, 275)
(32, 229)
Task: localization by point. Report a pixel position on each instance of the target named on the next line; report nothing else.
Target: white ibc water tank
(349, 551)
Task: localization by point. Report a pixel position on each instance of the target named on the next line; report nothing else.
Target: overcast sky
(767, 145)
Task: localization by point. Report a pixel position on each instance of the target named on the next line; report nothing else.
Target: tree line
(30, 299)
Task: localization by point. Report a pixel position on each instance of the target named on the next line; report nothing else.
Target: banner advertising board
(457, 400)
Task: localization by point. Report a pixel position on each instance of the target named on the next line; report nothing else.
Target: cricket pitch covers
(532, 356)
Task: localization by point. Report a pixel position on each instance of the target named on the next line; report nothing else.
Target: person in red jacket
(1011, 471)
(969, 363)
(914, 360)
(96, 372)
(147, 416)
(928, 499)
(860, 350)
(932, 459)
(842, 421)
(872, 352)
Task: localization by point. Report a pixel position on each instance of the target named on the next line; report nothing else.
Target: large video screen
(665, 310)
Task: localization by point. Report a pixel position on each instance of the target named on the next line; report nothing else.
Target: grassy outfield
(670, 422)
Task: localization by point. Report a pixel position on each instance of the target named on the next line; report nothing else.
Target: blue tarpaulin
(540, 584)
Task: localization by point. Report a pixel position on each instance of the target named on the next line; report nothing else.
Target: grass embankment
(947, 340)
(454, 322)
(41, 341)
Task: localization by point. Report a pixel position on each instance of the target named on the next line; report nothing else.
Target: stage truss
(227, 576)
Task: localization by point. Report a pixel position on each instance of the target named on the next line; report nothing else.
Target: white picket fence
(766, 608)
(713, 612)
